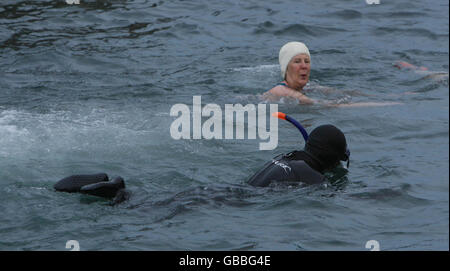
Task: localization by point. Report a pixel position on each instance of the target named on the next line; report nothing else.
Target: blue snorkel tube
(293, 121)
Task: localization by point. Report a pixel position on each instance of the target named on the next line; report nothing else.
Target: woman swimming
(295, 65)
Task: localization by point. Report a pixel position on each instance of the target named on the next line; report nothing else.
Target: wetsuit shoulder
(286, 170)
(305, 173)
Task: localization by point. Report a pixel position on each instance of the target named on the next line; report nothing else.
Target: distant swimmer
(324, 150)
(295, 65)
(436, 76)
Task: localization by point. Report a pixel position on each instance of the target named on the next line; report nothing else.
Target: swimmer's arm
(363, 104)
(278, 91)
(302, 98)
(268, 96)
(327, 90)
(435, 75)
(281, 91)
(405, 65)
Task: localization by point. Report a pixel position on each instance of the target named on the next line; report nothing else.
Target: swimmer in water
(324, 150)
(436, 76)
(325, 147)
(295, 65)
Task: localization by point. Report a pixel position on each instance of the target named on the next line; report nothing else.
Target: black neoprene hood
(328, 144)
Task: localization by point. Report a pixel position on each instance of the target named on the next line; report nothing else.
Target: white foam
(7, 128)
(61, 134)
(11, 135)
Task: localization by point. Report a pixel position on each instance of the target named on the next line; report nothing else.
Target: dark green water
(88, 88)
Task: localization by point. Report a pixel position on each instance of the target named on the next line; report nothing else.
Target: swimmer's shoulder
(281, 89)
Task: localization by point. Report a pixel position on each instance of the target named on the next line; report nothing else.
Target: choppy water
(88, 88)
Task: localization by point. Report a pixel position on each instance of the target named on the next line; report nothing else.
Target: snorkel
(283, 116)
(280, 115)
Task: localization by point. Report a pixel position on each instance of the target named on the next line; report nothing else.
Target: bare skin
(283, 91)
(422, 70)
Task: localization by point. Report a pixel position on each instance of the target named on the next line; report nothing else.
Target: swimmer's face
(298, 69)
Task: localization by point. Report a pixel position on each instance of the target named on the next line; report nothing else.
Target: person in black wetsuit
(325, 147)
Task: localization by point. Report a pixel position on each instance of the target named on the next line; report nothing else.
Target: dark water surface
(88, 88)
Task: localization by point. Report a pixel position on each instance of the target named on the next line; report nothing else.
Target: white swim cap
(288, 51)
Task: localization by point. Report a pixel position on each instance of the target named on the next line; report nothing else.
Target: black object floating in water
(74, 183)
(95, 185)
